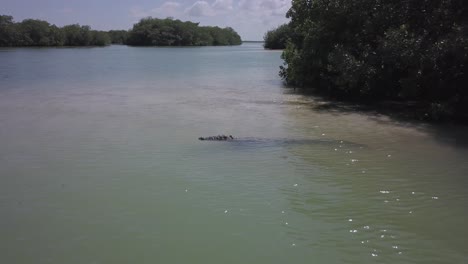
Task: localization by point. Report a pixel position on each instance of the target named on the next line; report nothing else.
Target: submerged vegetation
(372, 50)
(147, 32)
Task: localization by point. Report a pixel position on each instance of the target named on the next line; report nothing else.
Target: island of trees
(33, 32)
(170, 32)
(148, 32)
(371, 50)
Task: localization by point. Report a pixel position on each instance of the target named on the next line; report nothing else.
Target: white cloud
(250, 18)
(270, 4)
(264, 5)
(167, 9)
(222, 5)
(282, 10)
(200, 9)
(255, 17)
(248, 5)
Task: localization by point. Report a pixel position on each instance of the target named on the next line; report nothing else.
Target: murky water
(100, 163)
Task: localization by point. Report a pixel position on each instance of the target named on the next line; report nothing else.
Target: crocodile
(255, 141)
(217, 138)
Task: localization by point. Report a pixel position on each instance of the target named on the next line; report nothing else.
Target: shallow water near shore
(100, 162)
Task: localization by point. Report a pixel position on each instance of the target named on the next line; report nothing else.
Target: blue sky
(250, 18)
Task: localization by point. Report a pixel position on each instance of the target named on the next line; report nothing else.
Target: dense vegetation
(33, 32)
(373, 50)
(118, 36)
(277, 38)
(147, 32)
(169, 32)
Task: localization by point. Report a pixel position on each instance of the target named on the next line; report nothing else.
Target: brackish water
(100, 163)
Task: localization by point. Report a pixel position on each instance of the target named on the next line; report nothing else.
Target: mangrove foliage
(380, 50)
(277, 38)
(170, 32)
(148, 32)
(34, 32)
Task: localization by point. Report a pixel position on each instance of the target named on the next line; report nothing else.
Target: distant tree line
(169, 32)
(118, 36)
(277, 38)
(147, 32)
(33, 32)
(377, 50)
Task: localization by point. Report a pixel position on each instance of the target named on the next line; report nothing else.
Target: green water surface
(100, 163)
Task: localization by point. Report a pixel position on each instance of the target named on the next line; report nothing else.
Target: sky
(250, 18)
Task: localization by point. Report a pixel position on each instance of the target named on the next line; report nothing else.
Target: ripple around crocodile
(278, 141)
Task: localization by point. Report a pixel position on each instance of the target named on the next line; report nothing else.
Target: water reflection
(255, 142)
(372, 186)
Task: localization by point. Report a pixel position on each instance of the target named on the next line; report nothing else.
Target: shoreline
(402, 111)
